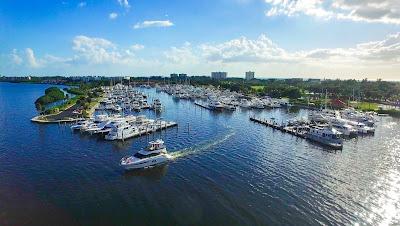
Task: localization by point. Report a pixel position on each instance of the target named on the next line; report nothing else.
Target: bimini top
(155, 145)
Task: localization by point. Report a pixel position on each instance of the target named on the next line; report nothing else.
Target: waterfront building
(249, 75)
(219, 75)
(174, 76)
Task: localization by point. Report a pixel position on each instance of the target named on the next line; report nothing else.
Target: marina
(200, 113)
(113, 117)
(223, 158)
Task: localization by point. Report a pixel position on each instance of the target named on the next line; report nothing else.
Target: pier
(161, 127)
(297, 131)
(202, 105)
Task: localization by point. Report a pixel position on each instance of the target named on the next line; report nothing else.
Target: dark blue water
(227, 171)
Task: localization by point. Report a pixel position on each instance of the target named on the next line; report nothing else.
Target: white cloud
(31, 59)
(113, 16)
(263, 50)
(295, 7)
(245, 50)
(16, 59)
(137, 47)
(82, 4)
(98, 51)
(153, 23)
(181, 55)
(124, 3)
(375, 58)
(379, 11)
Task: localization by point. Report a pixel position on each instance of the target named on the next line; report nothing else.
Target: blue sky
(274, 38)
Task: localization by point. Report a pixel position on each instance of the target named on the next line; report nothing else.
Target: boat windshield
(141, 156)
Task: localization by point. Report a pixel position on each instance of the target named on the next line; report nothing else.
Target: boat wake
(203, 146)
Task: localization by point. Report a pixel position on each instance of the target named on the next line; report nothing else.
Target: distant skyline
(275, 38)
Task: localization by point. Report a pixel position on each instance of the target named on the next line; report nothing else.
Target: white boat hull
(147, 162)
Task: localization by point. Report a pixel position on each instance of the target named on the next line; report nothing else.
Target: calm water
(227, 171)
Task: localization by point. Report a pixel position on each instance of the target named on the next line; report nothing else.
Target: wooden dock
(293, 130)
(202, 105)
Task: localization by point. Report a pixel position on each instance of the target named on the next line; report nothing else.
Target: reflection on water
(383, 202)
(154, 173)
(225, 170)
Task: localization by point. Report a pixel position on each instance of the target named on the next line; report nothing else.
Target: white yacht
(79, 124)
(245, 103)
(136, 106)
(343, 126)
(117, 108)
(361, 127)
(215, 105)
(257, 104)
(121, 130)
(326, 136)
(155, 154)
(144, 104)
(94, 122)
(357, 116)
(95, 127)
(229, 107)
(157, 104)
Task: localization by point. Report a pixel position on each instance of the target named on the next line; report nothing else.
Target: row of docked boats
(330, 127)
(120, 98)
(221, 99)
(348, 121)
(327, 127)
(117, 127)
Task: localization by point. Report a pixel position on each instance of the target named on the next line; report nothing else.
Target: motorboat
(257, 104)
(229, 107)
(361, 127)
(215, 105)
(343, 126)
(121, 130)
(245, 103)
(328, 136)
(157, 104)
(155, 154)
(79, 124)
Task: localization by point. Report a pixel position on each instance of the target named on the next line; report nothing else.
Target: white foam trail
(200, 147)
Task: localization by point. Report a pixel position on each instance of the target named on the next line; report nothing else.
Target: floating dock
(158, 128)
(293, 130)
(202, 105)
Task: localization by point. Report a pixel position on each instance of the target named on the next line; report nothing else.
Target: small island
(81, 105)
(51, 95)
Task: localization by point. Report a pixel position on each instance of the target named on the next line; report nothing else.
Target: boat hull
(148, 162)
(328, 143)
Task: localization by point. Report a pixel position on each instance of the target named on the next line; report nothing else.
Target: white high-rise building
(249, 75)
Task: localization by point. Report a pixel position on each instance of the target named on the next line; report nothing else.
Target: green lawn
(367, 106)
(257, 88)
